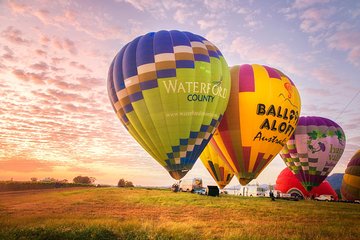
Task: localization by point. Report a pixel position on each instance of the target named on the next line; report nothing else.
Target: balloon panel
(215, 162)
(170, 90)
(262, 114)
(314, 150)
(350, 187)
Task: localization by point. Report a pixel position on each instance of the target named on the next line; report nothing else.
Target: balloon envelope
(314, 149)
(350, 187)
(261, 116)
(287, 182)
(170, 90)
(216, 163)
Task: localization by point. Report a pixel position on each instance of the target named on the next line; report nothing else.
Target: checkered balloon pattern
(170, 90)
(313, 150)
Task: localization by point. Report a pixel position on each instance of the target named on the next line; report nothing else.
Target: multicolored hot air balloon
(262, 114)
(350, 187)
(287, 182)
(170, 90)
(216, 163)
(314, 149)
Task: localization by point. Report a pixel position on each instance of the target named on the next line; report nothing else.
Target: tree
(33, 179)
(122, 183)
(129, 184)
(84, 180)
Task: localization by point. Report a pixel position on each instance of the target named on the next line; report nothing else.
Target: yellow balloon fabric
(217, 165)
(262, 114)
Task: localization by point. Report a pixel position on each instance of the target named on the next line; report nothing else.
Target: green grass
(114, 213)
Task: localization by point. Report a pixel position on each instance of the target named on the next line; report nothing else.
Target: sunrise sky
(55, 116)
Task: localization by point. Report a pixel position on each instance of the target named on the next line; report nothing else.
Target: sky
(55, 116)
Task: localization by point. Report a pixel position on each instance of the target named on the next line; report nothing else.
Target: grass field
(114, 213)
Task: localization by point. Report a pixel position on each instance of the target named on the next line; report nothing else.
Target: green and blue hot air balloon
(170, 90)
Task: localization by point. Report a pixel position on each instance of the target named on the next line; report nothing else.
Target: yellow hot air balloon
(262, 114)
(217, 165)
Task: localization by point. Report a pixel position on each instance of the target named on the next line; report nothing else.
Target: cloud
(14, 36)
(79, 66)
(276, 55)
(26, 165)
(16, 7)
(58, 60)
(40, 66)
(347, 41)
(181, 15)
(217, 36)
(205, 24)
(65, 44)
(41, 53)
(325, 75)
(67, 97)
(316, 19)
(249, 17)
(86, 20)
(301, 4)
(9, 54)
(315, 91)
(37, 78)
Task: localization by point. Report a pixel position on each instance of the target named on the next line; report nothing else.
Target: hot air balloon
(287, 182)
(262, 114)
(350, 187)
(314, 149)
(216, 163)
(170, 90)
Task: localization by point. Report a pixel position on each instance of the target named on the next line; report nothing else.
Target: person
(272, 196)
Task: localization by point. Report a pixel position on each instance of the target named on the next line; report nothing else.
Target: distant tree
(49, 179)
(122, 183)
(84, 180)
(129, 184)
(33, 179)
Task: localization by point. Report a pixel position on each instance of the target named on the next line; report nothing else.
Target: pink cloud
(65, 44)
(278, 54)
(325, 75)
(44, 96)
(301, 4)
(79, 66)
(16, 7)
(315, 91)
(347, 41)
(67, 97)
(43, 15)
(40, 53)
(37, 78)
(315, 19)
(57, 60)
(8, 55)
(14, 36)
(90, 81)
(72, 108)
(58, 82)
(40, 66)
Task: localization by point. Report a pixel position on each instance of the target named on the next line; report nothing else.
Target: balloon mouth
(179, 174)
(244, 181)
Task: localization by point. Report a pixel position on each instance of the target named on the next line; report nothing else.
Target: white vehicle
(324, 198)
(190, 185)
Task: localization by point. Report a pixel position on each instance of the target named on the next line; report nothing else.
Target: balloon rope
(347, 105)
